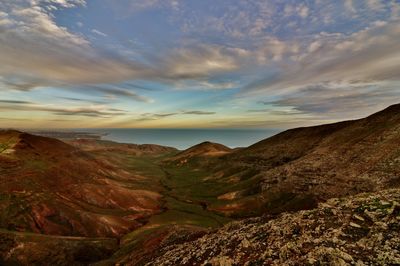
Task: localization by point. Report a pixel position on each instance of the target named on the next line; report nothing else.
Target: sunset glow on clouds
(177, 63)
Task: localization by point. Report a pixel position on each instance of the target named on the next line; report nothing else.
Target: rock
(358, 217)
(355, 225)
(385, 203)
(344, 255)
(221, 261)
(245, 243)
(271, 242)
(312, 261)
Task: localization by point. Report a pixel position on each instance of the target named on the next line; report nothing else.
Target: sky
(196, 64)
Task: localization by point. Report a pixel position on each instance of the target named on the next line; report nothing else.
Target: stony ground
(359, 230)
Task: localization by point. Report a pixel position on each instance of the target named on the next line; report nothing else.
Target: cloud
(123, 92)
(99, 33)
(91, 111)
(154, 116)
(204, 84)
(65, 3)
(109, 91)
(14, 119)
(125, 8)
(36, 52)
(276, 124)
(326, 101)
(375, 5)
(198, 61)
(157, 116)
(300, 10)
(349, 5)
(271, 50)
(271, 111)
(82, 100)
(242, 19)
(19, 83)
(395, 10)
(369, 56)
(136, 86)
(303, 11)
(15, 102)
(198, 113)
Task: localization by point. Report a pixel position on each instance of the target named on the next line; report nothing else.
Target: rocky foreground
(359, 230)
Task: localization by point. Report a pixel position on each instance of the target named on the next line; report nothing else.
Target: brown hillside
(199, 151)
(105, 146)
(317, 162)
(50, 187)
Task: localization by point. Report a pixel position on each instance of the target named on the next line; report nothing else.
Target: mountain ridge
(200, 152)
(48, 186)
(312, 160)
(163, 204)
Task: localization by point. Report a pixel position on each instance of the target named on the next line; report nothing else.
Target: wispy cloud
(335, 68)
(198, 61)
(99, 33)
(157, 116)
(72, 99)
(15, 102)
(109, 91)
(198, 113)
(91, 111)
(154, 116)
(271, 111)
(123, 92)
(130, 7)
(326, 101)
(36, 52)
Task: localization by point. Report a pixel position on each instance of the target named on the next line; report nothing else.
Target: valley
(90, 201)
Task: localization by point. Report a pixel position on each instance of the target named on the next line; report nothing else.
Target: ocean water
(185, 138)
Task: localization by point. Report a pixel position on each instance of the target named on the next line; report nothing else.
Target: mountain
(50, 187)
(299, 167)
(109, 146)
(199, 152)
(283, 181)
(80, 201)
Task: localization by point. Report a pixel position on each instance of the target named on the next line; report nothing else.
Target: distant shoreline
(178, 138)
(69, 135)
(184, 138)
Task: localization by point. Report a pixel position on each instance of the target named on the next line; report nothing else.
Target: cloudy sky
(196, 64)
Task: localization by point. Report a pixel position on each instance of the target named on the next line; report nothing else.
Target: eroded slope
(50, 187)
(302, 166)
(359, 230)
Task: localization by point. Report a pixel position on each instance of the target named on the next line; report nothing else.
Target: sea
(184, 138)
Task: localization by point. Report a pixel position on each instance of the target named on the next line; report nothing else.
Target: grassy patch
(190, 214)
(36, 165)
(147, 166)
